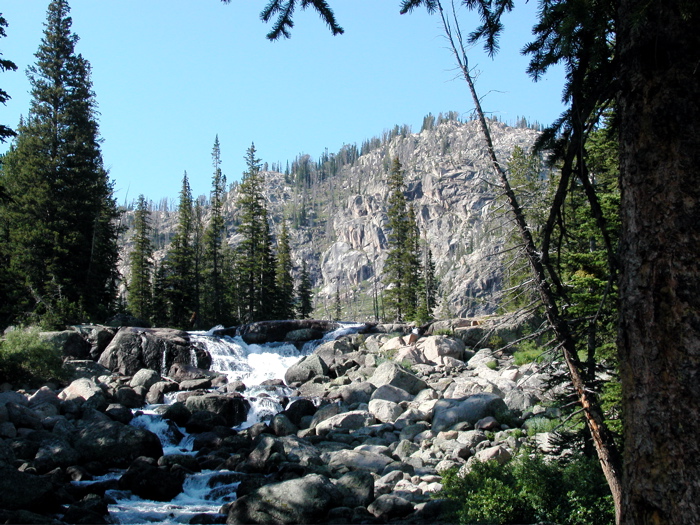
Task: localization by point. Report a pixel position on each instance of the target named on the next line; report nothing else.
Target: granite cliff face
(343, 237)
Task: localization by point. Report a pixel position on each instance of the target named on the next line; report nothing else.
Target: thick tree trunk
(659, 107)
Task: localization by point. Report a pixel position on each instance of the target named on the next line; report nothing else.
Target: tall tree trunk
(658, 47)
(608, 455)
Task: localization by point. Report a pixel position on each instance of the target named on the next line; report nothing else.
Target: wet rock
(232, 407)
(299, 408)
(114, 444)
(91, 509)
(304, 500)
(203, 421)
(274, 331)
(157, 349)
(147, 481)
(178, 413)
(21, 490)
(305, 369)
(282, 426)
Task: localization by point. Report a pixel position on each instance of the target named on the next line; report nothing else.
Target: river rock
(385, 411)
(232, 407)
(359, 392)
(356, 460)
(21, 490)
(274, 331)
(389, 373)
(146, 480)
(114, 444)
(54, 452)
(436, 349)
(357, 488)
(304, 500)
(388, 506)
(448, 412)
(305, 369)
(145, 378)
(86, 393)
(352, 420)
(157, 349)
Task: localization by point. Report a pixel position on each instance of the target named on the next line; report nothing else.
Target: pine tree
(304, 294)
(255, 263)
(402, 266)
(215, 308)
(283, 278)
(5, 65)
(180, 291)
(140, 288)
(61, 217)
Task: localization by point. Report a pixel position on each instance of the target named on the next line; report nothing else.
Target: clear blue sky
(169, 75)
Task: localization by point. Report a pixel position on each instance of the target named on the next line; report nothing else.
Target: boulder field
(372, 422)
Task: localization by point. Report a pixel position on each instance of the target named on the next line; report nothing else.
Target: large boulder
(448, 412)
(390, 373)
(353, 420)
(146, 480)
(84, 392)
(114, 444)
(306, 368)
(437, 348)
(357, 460)
(274, 331)
(233, 408)
(357, 488)
(21, 490)
(157, 349)
(303, 500)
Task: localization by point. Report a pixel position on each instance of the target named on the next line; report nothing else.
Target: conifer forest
(586, 230)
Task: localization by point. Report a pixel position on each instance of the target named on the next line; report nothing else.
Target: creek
(205, 492)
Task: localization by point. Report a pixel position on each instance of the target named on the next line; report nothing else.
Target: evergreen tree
(214, 305)
(140, 288)
(5, 65)
(304, 294)
(283, 278)
(180, 290)
(255, 263)
(61, 214)
(402, 265)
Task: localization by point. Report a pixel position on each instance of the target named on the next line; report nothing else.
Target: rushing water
(207, 491)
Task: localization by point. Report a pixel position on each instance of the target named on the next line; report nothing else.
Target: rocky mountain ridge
(343, 239)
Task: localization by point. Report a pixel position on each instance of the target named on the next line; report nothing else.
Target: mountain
(336, 208)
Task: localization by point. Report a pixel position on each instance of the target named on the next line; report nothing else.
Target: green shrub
(528, 352)
(26, 357)
(539, 424)
(529, 490)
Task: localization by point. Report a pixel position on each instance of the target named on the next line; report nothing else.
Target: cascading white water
(207, 491)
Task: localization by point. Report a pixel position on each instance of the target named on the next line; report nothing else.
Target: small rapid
(261, 368)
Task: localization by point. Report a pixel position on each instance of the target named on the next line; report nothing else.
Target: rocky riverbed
(369, 424)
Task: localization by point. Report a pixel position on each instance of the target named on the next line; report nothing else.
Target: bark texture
(659, 51)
